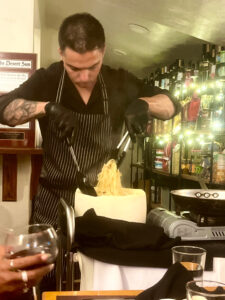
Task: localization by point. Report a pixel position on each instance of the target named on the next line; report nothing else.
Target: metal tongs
(120, 157)
(82, 181)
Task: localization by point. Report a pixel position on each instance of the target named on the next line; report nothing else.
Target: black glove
(136, 118)
(63, 118)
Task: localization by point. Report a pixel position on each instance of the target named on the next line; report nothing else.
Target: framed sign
(15, 68)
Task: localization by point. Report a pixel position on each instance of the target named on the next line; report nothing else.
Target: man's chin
(84, 84)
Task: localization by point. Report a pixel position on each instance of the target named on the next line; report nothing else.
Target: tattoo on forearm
(20, 111)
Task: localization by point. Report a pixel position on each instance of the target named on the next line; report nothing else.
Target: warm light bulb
(188, 132)
(219, 84)
(204, 88)
(216, 125)
(177, 93)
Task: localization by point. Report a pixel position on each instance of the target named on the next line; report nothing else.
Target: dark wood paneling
(9, 175)
(36, 164)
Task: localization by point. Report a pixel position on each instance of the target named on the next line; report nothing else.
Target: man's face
(83, 69)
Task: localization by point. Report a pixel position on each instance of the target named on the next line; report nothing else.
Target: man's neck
(85, 91)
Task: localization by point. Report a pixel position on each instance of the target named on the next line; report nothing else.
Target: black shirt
(122, 87)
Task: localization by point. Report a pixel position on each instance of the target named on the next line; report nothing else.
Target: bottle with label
(167, 78)
(179, 75)
(212, 66)
(218, 50)
(195, 72)
(172, 77)
(204, 64)
(157, 77)
(162, 78)
(151, 79)
(187, 77)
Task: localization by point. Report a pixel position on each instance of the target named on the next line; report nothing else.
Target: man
(82, 103)
(15, 285)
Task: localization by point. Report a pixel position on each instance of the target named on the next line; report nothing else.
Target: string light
(216, 125)
(199, 88)
(177, 93)
(188, 132)
(219, 97)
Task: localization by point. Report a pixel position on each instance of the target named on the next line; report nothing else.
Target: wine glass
(31, 240)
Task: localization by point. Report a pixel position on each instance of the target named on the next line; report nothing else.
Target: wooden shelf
(138, 165)
(164, 173)
(193, 178)
(21, 150)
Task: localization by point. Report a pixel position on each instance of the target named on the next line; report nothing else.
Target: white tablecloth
(96, 275)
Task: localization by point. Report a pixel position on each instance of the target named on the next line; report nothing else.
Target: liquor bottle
(195, 74)
(180, 69)
(220, 62)
(151, 79)
(179, 75)
(162, 78)
(212, 65)
(206, 52)
(218, 50)
(204, 64)
(187, 76)
(157, 77)
(172, 76)
(166, 79)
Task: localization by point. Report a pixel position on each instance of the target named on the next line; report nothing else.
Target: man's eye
(93, 67)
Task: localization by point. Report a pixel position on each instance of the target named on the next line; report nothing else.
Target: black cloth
(122, 242)
(197, 287)
(93, 230)
(133, 244)
(172, 285)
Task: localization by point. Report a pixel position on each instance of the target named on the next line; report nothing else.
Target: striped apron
(92, 147)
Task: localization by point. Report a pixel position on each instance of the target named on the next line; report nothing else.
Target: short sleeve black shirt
(122, 87)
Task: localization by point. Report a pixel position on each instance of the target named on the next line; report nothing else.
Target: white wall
(16, 25)
(16, 32)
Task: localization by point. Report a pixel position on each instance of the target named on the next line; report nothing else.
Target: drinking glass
(31, 240)
(205, 290)
(192, 258)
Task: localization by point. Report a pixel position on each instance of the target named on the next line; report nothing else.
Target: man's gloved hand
(136, 118)
(63, 118)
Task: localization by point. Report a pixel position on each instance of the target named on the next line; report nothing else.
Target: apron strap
(103, 90)
(104, 94)
(60, 87)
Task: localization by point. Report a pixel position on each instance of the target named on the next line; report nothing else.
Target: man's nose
(84, 75)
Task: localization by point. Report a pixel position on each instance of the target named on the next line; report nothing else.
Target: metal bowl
(200, 201)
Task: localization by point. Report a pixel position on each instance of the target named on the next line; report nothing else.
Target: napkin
(172, 285)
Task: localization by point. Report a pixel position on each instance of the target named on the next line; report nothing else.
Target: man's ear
(103, 50)
(60, 52)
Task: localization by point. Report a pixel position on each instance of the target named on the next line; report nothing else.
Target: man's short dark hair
(81, 32)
